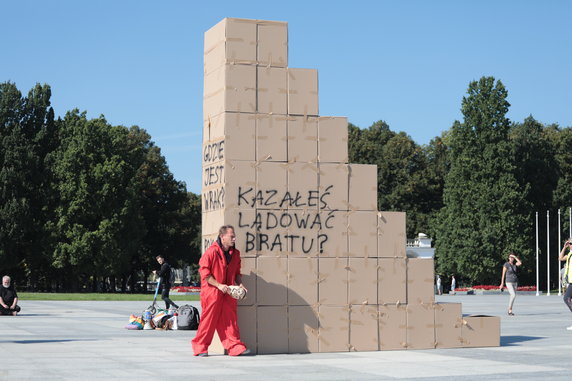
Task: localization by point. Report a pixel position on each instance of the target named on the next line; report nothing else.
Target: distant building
(420, 247)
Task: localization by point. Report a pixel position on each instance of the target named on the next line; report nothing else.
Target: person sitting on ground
(8, 298)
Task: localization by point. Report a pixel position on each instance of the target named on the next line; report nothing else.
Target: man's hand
(223, 288)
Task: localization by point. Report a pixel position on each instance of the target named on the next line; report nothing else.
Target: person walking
(453, 284)
(165, 274)
(510, 277)
(567, 274)
(219, 268)
(439, 285)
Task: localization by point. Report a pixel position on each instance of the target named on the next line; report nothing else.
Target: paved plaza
(87, 341)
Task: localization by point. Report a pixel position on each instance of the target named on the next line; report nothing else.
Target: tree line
(86, 206)
(475, 189)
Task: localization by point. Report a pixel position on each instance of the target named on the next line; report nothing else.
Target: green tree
(485, 213)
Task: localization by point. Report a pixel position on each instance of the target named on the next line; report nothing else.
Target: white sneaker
(569, 328)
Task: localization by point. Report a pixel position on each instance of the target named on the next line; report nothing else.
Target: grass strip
(102, 296)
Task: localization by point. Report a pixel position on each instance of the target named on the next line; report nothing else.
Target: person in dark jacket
(8, 298)
(165, 274)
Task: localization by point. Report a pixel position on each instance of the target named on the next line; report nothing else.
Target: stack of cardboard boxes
(325, 271)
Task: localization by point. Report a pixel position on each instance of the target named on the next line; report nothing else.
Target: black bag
(188, 317)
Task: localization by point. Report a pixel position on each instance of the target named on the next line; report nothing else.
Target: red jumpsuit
(218, 309)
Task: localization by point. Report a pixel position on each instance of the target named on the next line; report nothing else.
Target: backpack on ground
(188, 317)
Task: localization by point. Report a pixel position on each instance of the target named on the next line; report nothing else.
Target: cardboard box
(273, 43)
(303, 139)
(362, 232)
(333, 281)
(229, 136)
(333, 182)
(363, 281)
(303, 328)
(272, 329)
(392, 238)
(248, 273)
(271, 238)
(302, 281)
(420, 326)
(333, 237)
(271, 140)
(303, 92)
(334, 329)
(271, 179)
(243, 221)
(392, 327)
(303, 242)
(229, 184)
(211, 222)
(230, 88)
(448, 323)
(363, 187)
(247, 325)
(420, 276)
(392, 283)
(271, 283)
(480, 331)
(333, 139)
(272, 90)
(207, 241)
(364, 328)
(230, 41)
(303, 186)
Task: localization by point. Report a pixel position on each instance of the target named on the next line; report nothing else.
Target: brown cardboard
(420, 275)
(230, 88)
(207, 241)
(272, 90)
(334, 329)
(248, 273)
(392, 281)
(273, 44)
(272, 329)
(363, 281)
(302, 92)
(247, 325)
(363, 187)
(364, 328)
(231, 40)
(333, 181)
(448, 322)
(333, 139)
(271, 283)
(216, 345)
(212, 221)
(392, 239)
(241, 220)
(271, 142)
(236, 131)
(302, 281)
(362, 232)
(333, 236)
(333, 281)
(392, 327)
(240, 177)
(303, 327)
(271, 238)
(303, 139)
(303, 186)
(480, 331)
(271, 179)
(420, 326)
(303, 242)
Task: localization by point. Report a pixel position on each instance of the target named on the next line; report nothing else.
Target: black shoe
(204, 354)
(246, 352)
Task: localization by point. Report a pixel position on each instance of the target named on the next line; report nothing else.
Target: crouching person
(8, 298)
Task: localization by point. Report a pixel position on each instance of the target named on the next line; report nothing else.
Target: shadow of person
(273, 318)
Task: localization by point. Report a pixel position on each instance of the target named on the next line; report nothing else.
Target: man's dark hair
(223, 229)
(159, 256)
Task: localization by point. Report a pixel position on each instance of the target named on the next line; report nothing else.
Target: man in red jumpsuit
(219, 267)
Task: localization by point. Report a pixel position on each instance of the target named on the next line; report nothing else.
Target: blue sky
(409, 63)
